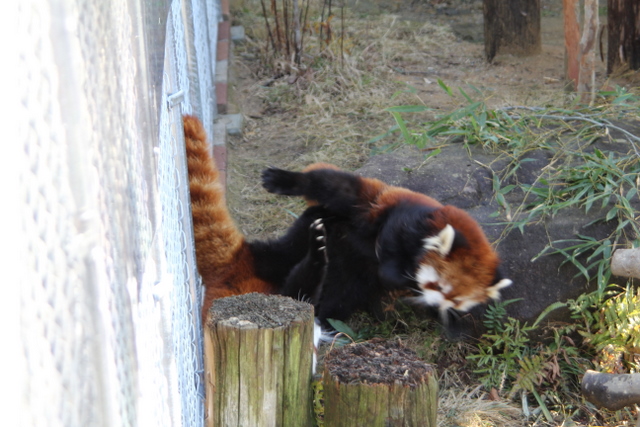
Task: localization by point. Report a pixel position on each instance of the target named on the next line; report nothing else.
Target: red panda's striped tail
(217, 238)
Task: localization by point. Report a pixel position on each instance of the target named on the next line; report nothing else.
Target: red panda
(396, 239)
(228, 263)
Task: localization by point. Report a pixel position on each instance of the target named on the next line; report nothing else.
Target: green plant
(609, 179)
(345, 334)
(501, 347)
(508, 361)
(611, 320)
(608, 323)
(577, 176)
(473, 123)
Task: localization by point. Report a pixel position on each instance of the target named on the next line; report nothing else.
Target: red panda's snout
(459, 280)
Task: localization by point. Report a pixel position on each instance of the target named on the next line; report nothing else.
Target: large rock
(454, 177)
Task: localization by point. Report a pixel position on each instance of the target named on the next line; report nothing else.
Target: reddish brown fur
(471, 266)
(478, 256)
(222, 253)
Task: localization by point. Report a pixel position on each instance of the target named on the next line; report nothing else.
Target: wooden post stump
(611, 391)
(258, 361)
(626, 263)
(378, 383)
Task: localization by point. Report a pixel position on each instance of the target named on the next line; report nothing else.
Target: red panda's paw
(279, 181)
(318, 241)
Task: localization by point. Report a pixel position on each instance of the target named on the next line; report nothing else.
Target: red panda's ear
(493, 292)
(441, 242)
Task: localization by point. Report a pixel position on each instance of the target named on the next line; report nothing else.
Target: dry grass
(326, 112)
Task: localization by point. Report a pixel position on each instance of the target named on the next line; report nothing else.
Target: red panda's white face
(453, 278)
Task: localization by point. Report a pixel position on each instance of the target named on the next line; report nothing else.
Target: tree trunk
(571, 40)
(258, 359)
(623, 34)
(378, 384)
(587, 80)
(511, 26)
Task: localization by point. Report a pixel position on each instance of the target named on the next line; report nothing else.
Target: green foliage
(612, 326)
(318, 402)
(502, 348)
(578, 176)
(608, 323)
(346, 334)
(473, 123)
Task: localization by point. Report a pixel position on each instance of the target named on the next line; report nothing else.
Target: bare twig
(274, 10)
(285, 18)
(266, 21)
(342, 35)
(297, 36)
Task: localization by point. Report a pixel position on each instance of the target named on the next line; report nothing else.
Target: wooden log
(258, 361)
(511, 26)
(626, 263)
(611, 391)
(378, 383)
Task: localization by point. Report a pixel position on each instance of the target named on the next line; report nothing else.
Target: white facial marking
(445, 287)
(494, 291)
(466, 305)
(432, 297)
(442, 242)
(427, 274)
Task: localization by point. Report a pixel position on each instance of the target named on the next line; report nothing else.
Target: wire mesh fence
(109, 295)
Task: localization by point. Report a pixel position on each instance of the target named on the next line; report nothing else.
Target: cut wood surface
(378, 383)
(626, 263)
(611, 391)
(258, 358)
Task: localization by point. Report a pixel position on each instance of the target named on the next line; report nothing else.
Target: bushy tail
(217, 238)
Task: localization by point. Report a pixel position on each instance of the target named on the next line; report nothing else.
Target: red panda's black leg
(306, 278)
(338, 191)
(274, 259)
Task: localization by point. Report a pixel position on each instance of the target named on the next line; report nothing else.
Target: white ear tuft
(494, 291)
(442, 242)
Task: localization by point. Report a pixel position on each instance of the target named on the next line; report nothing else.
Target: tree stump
(623, 27)
(378, 383)
(511, 26)
(258, 361)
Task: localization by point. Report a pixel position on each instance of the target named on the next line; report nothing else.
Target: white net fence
(109, 295)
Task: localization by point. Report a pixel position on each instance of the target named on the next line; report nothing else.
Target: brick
(222, 49)
(221, 97)
(224, 8)
(224, 30)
